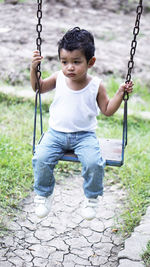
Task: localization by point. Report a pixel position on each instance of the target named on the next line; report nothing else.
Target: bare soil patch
(110, 21)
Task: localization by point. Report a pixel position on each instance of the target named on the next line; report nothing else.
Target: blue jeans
(52, 148)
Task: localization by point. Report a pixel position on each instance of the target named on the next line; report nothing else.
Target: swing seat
(112, 151)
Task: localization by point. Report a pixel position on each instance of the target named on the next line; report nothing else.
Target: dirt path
(111, 27)
(64, 239)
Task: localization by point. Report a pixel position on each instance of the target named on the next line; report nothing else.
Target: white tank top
(74, 111)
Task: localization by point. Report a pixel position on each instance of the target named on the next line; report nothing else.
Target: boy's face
(74, 64)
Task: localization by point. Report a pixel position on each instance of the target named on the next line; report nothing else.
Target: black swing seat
(112, 151)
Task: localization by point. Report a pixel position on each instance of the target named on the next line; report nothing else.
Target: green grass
(146, 256)
(15, 172)
(16, 122)
(134, 174)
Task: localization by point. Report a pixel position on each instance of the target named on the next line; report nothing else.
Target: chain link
(39, 30)
(136, 30)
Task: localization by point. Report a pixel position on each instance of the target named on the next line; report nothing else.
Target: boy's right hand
(36, 59)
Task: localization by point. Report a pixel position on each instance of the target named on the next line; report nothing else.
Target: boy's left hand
(126, 87)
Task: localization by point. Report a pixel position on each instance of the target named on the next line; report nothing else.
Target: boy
(72, 123)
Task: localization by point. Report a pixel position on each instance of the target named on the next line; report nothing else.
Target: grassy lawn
(146, 255)
(16, 177)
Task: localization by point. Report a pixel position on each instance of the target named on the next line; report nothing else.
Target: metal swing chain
(39, 30)
(38, 72)
(39, 43)
(136, 30)
(134, 44)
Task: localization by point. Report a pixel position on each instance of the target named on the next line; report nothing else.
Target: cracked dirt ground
(64, 239)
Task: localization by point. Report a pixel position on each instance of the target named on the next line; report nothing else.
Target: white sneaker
(89, 208)
(42, 205)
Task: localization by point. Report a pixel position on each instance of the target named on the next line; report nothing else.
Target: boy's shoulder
(54, 75)
(96, 80)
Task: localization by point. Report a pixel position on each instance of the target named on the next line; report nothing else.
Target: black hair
(78, 39)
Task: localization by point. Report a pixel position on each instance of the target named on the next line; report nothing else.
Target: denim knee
(39, 159)
(92, 163)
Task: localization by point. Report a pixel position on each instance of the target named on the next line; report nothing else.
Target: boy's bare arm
(46, 84)
(109, 106)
